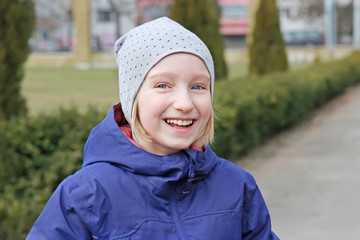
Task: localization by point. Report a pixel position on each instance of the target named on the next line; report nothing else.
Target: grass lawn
(237, 70)
(47, 89)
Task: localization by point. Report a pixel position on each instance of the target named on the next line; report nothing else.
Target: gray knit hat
(142, 47)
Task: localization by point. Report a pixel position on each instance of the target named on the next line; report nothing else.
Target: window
(234, 11)
(104, 16)
(154, 11)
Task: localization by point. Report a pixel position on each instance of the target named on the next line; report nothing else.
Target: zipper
(175, 214)
(190, 163)
(191, 177)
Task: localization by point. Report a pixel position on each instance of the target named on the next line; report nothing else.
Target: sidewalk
(310, 176)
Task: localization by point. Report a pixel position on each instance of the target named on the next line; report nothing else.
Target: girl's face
(174, 103)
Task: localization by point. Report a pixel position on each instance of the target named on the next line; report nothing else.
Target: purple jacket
(124, 192)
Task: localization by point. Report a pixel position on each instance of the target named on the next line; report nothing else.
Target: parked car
(306, 37)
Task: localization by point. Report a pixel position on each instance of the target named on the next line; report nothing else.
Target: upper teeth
(180, 122)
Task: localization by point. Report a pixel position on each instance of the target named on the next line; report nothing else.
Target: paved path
(310, 176)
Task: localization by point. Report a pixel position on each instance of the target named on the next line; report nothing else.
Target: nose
(183, 101)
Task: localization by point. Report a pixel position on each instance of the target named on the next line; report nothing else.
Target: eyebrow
(170, 74)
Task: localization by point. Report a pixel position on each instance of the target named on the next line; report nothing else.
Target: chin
(180, 147)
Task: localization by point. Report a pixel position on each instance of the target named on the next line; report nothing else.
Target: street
(310, 175)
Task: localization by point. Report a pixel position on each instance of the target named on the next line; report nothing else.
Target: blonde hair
(138, 131)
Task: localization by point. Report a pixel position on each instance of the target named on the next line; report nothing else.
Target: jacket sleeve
(256, 223)
(60, 219)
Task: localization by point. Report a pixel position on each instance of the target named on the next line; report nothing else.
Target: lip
(179, 119)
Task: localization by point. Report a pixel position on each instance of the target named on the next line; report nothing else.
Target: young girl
(148, 170)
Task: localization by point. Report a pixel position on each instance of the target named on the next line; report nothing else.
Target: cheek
(205, 108)
(145, 114)
(143, 109)
(150, 108)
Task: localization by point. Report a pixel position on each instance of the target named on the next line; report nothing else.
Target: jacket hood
(107, 143)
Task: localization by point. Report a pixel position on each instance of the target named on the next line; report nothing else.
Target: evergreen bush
(36, 154)
(255, 108)
(17, 23)
(266, 45)
(202, 18)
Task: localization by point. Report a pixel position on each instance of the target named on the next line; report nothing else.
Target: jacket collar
(107, 143)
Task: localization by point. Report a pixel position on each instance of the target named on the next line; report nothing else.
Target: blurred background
(284, 59)
(313, 30)
(303, 22)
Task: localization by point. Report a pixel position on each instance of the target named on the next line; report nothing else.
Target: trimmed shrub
(37, 153)
(266, 45)
(251, 110)
(202, 18)
(17, 23)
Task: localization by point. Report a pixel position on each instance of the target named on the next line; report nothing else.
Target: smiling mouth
(179, 123)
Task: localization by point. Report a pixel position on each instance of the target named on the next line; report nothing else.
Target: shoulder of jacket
(235, 171)
(83, 195)
(76, 186)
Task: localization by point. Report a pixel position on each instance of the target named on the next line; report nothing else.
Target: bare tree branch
(120, 8)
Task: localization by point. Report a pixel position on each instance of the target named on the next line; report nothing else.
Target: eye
(162, 86)
(198, 87)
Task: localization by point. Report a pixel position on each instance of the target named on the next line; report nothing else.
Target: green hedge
(250, 110)
(37, 153)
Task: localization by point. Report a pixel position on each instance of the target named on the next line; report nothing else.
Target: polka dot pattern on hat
(142, 47)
